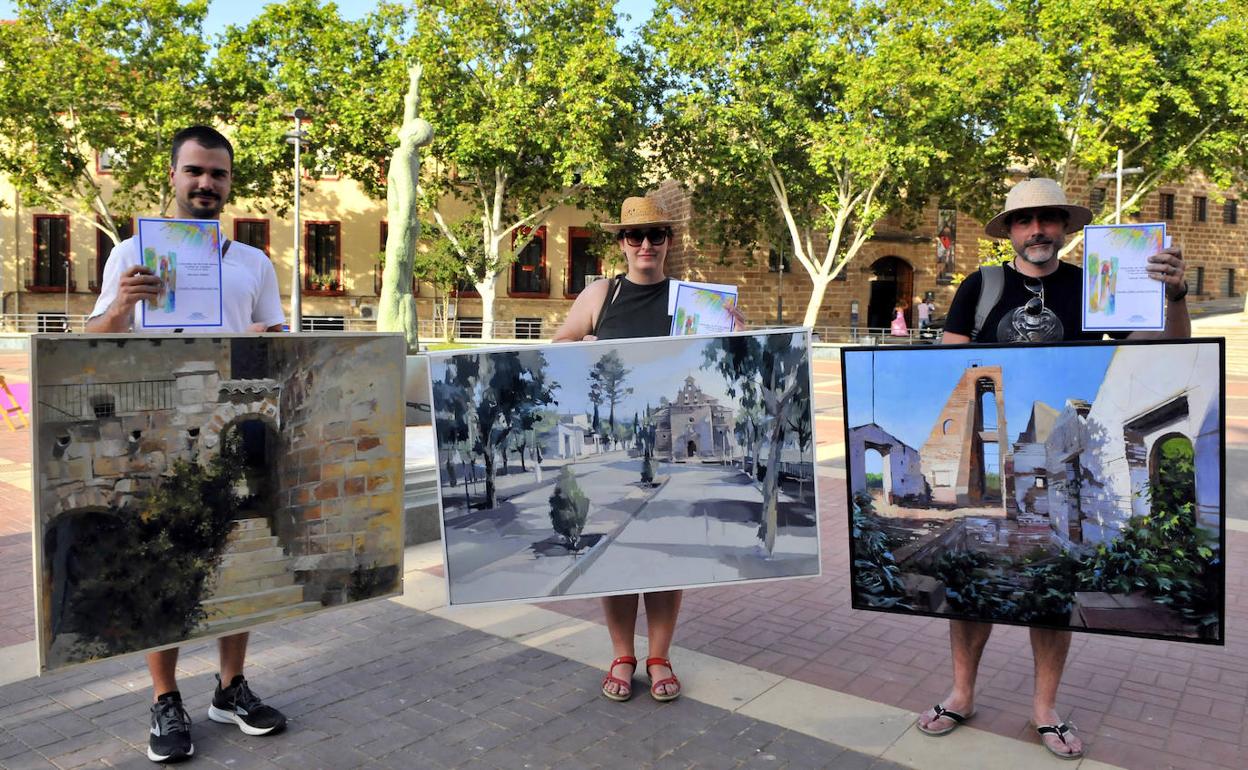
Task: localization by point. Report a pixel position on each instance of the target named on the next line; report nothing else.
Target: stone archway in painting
(260, 445)
(892, 281)
(72, 544)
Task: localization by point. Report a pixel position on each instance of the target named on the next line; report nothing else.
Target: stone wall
(342, 441)
(903, 476)
(953, 455)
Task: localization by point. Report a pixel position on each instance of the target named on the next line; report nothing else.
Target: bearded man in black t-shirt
(1039, 301)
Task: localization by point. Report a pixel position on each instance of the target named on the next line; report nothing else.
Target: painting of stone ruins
(1073, 486)
(597, 468)
(192, 486)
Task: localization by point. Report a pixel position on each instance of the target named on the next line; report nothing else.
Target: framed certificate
(1118, 294)
(185, 254)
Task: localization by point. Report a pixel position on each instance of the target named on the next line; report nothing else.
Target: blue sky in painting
(912, 385)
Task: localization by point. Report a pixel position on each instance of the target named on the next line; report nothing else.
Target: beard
(1030, 252)
(203, 207)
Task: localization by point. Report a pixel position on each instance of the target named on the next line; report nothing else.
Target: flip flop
(1061, 731)
(941, 711)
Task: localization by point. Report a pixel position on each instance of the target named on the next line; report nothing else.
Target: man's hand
(137, 284)
(1167, 266)
(740, 324)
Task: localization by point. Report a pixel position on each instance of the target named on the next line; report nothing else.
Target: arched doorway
(1172, 474)
(259, 449)
(892, 281)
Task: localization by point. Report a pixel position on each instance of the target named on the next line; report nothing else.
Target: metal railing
(473, 329)
(106, 399)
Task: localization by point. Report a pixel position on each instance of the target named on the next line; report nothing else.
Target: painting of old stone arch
(1072, 485)
(191, 486)
(598, 468)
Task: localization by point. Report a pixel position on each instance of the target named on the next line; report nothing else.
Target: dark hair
(205, 136)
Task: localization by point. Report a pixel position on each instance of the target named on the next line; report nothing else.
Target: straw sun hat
(1037, 193)
(640, 212)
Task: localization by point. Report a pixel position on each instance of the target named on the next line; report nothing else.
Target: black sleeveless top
(638, 311)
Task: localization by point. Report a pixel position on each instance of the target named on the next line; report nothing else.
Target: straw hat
(639, 212)
(1037, 193)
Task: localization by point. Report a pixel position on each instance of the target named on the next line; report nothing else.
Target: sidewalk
(777, 675)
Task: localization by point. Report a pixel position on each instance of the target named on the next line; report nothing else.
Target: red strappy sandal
(627, 692)
(662, 697)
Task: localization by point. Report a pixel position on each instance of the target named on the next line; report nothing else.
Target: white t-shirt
(248, 288)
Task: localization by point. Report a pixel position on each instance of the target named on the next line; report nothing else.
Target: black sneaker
(237, 704)
(171, 730)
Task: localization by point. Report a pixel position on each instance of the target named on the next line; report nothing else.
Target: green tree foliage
(877, 578)
(606, 384)
(1166, 81)
(447, 262)
(350, 76)
(499, 393)
(775, 368)
(166, 550)
(1166, 554)
(536, 105)
(79, 77)
(569, 508)
(830, 114)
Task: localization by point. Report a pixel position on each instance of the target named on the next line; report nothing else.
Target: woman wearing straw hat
(633, 305)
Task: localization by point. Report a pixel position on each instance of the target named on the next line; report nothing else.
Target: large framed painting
(598, 468)
(191, 486)
(1077, 486)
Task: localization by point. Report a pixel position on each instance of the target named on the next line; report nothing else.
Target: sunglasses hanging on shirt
(656, 236)
(1032, 322)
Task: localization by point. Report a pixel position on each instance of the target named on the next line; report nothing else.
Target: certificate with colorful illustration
(1118, 294)
(703, 309)
(185, 254)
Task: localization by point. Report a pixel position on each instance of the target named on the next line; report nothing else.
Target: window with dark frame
(322, 256)
(1200, 280)
(1097, 200)
(104, 248)
(1230, 212)
(51, 252)
(582, 262)
(1230, 282)
(254, 233)
(1167, 205)
(1200, 208)
(470, 327)
(528, 271)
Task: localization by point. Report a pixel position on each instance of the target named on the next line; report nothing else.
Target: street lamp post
(296, 137)
(1117, 177)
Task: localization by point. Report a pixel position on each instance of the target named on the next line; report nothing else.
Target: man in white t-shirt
(200, 172)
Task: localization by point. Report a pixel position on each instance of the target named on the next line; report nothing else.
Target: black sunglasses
(656, 236)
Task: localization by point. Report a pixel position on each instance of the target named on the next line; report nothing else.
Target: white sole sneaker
(158, 758)
(230, 718)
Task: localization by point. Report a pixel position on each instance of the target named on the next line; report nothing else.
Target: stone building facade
(693, 426)
(343, 228)
(321, 424)
(953, 455)
(1101, 458)
(902, 468)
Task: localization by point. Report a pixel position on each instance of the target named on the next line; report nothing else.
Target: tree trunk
(488, 289)
(397, 307)
(491, 496)
(819, 287)
(771, 489)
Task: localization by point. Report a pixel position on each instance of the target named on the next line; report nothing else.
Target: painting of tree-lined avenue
(595, 468)
(1076, 486)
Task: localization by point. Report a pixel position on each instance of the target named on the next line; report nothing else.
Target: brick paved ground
(384, 686)
(1139, 704)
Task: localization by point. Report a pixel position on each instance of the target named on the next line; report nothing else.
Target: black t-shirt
(640, 310)
(1062, 294)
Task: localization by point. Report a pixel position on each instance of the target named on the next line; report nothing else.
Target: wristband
(1179, 296)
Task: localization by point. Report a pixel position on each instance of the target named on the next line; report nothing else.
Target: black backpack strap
(613, 292)
(992, 286)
